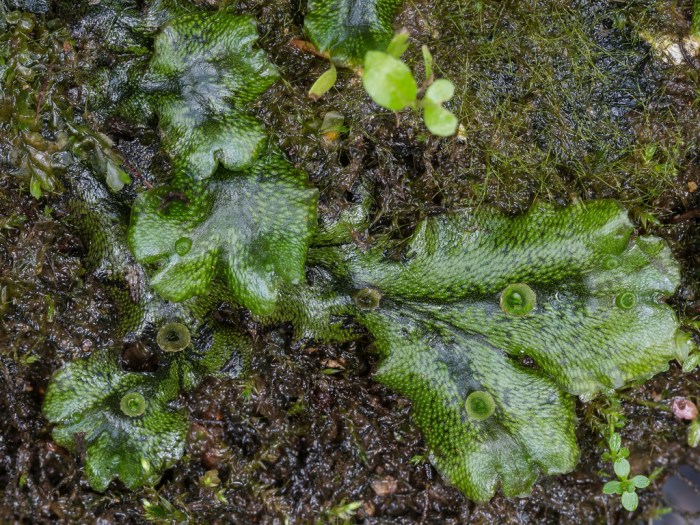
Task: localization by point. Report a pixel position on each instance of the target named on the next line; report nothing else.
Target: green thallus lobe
(456, 317)
(123, 435)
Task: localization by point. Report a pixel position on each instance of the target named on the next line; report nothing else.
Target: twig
(42, 93)
(136, 173)
(685, 216)
(307, 47)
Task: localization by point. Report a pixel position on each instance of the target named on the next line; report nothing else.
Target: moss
(28, 54)
(600, 119)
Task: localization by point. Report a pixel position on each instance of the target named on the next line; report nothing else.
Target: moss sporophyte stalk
(452, 309)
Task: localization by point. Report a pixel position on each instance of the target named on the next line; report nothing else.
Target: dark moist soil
(557, 100)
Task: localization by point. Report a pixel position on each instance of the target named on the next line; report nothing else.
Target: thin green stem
(695, 21)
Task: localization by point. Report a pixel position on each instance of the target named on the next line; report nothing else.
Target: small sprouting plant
(163, 512)
(390, 83)
(691, 363)
(341, 513)
(625, 486)
(324, 83)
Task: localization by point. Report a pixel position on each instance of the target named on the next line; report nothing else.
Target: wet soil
(559, 101)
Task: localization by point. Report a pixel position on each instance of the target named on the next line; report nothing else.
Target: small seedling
(342, 513)
(332, 126)
(691, 363)
(624, 486)
(324, 83)
(390, 83)
(418, 459)
(162, 512)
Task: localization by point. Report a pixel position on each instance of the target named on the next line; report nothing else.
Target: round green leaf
(630, 500)
(622, 468)
(389, 81)
(440, 91)
(438, 120)
(612, 487)
(641, 482)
